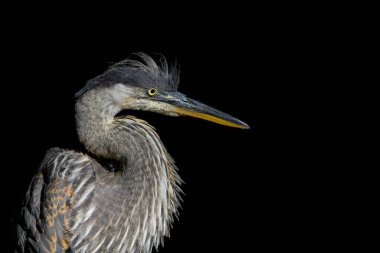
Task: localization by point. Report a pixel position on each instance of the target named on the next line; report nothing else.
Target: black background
(244, 189)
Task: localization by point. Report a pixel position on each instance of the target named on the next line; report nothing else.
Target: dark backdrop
(239, 194)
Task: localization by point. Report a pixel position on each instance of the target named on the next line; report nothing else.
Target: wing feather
(48, 212)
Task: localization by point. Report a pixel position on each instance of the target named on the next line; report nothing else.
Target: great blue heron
(121, 195)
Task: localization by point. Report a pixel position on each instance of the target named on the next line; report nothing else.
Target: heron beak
(182, 105)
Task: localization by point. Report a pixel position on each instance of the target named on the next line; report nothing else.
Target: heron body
(123, 193)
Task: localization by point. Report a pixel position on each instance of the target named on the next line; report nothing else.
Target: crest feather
(142, 72)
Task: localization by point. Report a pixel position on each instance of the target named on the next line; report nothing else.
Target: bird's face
(171, 103)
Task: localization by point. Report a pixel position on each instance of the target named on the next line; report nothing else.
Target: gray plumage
(76, 203)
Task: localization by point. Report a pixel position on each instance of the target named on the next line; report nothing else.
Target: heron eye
(152, 92)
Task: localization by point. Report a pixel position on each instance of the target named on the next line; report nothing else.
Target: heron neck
(149, 180)
(94, 116)
(125, 139)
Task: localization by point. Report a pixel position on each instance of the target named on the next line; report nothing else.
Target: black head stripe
(144, 73)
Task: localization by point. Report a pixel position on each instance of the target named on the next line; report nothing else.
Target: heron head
(146, 85)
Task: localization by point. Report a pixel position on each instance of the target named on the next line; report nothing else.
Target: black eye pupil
(152, 92)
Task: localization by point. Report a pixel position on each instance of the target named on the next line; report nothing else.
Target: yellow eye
(152, 92)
